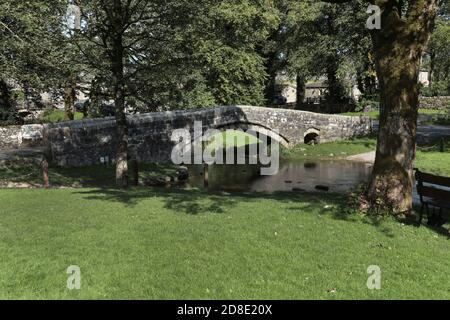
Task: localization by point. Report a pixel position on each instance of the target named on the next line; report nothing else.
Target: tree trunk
(6, 103)
(392, 177)
(300, 90)
(270, 91)
(398, 47)
(45, 175)
(69, 98)
(432, 64)
(94, 98)
(119, 98)
(335, 89)
(135, 166)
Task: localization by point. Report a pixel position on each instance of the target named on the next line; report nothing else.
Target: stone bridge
(86, 142)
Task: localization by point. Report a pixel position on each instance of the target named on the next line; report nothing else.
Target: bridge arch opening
(254, 135)
(258, 132)
(312, 137)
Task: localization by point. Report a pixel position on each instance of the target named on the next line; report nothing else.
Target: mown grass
(54, 116)
(230, 139)
(374, 114)
(431, 159)
(168, 244)
(331, 150)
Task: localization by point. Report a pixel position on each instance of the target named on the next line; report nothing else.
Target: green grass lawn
(374, 114)
(162, 244)
(58, 116)
(429, 159)
(230, 139)
(331, 150)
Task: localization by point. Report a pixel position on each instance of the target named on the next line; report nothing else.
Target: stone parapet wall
(87, 142)
(13, 137)
(438, 103)
(10, 137)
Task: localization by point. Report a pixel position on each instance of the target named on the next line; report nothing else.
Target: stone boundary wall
(12, 137)
(88, 142)
(438, 103)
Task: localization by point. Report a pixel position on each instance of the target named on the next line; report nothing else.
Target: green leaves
(227, 37)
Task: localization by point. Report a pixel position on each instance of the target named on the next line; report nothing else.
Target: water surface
(339, 176)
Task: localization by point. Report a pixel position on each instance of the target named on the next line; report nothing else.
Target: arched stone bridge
(85, 142)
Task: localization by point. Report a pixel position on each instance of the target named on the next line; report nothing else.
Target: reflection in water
(340, 176)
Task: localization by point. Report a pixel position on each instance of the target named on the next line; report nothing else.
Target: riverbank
(429, 159)
(101, 176)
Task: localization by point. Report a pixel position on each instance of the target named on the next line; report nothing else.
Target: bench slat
(430, 178)
(434, 193)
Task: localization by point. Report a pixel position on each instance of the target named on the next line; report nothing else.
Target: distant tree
(227, 38)
(343, 48)
(31, 34)
(439, 51)
(316, 39)
(35, 52)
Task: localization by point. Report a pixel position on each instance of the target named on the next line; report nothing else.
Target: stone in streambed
(322, 188)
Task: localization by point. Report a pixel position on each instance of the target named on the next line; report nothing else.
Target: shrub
(437, 88)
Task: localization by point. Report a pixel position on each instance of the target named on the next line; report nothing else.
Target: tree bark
(271, 81)
(69, 98)
(334, 92)
(94, 98)
(6, 103)
(432, 64)
(135, 165)
(300, 90)
(398, 48)
(45, 175)
(117, 55)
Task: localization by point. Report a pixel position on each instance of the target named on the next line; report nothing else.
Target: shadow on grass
(196, 201)
(95, 176)
(413, 220)
(436, 145)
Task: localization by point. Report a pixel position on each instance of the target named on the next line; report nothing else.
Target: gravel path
(368, 157)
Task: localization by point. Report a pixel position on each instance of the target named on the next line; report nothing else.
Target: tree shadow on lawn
(413, 220)
(196, 201)
(435, 145)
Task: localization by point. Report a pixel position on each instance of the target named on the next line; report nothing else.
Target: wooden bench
(429, 188)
